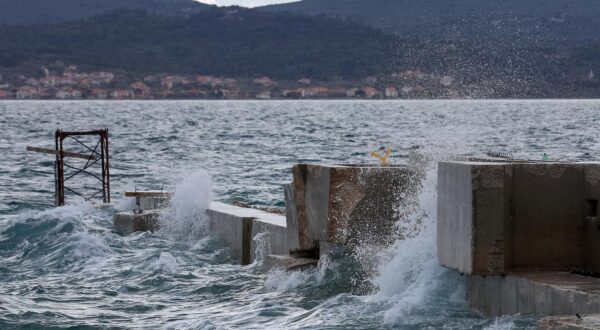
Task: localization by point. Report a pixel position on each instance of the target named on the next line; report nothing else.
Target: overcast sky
(245, 3)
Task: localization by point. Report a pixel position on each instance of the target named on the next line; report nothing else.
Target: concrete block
(237, 226)
(150, 199)
(548, 217)
(128, 222)
(501, 217)
(570, 322)
(541, 293)
(472, 212)
(346, 204)
(291, 217)
(273, 236)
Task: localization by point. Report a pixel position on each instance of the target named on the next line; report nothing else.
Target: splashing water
(65, 267)
(185, 218)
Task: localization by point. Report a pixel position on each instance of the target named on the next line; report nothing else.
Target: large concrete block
(128, 222)
(540, 293)
(270, 234)
(345, 204)
(237, 226)
(472, 212)
(548, 217)
(495, 217)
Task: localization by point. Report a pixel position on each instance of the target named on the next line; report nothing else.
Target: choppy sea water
(65, 268)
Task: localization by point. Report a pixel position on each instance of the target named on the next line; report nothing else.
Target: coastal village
(71, 83)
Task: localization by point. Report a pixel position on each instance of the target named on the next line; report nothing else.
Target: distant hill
(485, 21)
(52, 11)
(234, 42)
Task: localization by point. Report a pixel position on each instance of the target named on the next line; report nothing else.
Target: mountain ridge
(25, 12)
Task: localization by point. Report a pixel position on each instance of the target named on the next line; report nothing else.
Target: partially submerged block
(540, 293)
(238, 226)
(344, 204)
(128, 222)
(496, 217)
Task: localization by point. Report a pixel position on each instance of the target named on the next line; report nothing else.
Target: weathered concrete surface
(150, 199)
(237, 226)
(541, 293)
(287, 262)
(291, 217)
(571, 322)
(269, 234)
(494, 218)
(128, 222)
(344, 204)
(472, 209)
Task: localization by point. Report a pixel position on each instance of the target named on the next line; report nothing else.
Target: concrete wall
(541, 293)
(472, 214)
(125, 223)
(237, 227)
(495, 218)
(345, 204)
(291, 217)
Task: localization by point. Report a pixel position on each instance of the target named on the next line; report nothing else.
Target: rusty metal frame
(94, 157)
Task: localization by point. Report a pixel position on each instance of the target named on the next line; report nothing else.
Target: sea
(65, 267)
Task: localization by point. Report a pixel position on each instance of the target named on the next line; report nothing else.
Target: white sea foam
(185, 219)
(409, 274)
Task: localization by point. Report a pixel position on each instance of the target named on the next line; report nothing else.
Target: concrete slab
(125, 223)
(237, 226)
(540, 293)
(571, 322)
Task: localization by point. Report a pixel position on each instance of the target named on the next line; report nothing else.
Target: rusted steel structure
(97, 153)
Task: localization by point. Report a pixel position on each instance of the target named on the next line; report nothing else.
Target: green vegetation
(232, 42)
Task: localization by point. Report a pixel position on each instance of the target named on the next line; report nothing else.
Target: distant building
(304, 81)
(265, 81)
(102, 77)
(371, 92)
(3, 94)
(99, 93)
(391, 92)
(28, 92)
(140, 89)
(591, 76)
(352, 92)
(67, 93)
(371, 80)
(122, 94)
(264, 95)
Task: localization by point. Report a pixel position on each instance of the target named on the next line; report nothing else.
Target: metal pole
(106, 155)
(102, 155)
(61, 170)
